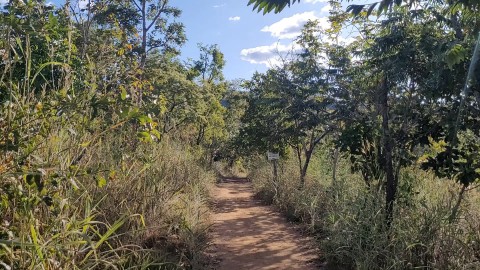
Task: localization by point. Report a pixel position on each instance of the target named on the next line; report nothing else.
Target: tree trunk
(275, 178)
(303, 173)
(275, 171)
(455, 209)
(143, 49)
(466, 90)
(201, 133)
(86, 31)
(391, 188)
(299, 156)
(334, 166)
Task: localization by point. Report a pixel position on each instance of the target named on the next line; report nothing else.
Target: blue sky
(248, 39)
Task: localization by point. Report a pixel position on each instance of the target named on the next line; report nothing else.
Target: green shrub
(348, 217)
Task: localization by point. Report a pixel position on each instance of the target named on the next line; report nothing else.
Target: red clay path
(250, 235)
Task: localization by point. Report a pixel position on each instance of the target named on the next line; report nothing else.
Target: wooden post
(275, 171)
(273, 157)
(275, 178)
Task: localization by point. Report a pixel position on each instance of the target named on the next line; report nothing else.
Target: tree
(210, 65)
(34, 36)
(383, 6)
(174, 96)
(235, 102)
(406, 73)
(147, 26)
(151, 23)
(265, 120)
(294, 104)
(207, 72)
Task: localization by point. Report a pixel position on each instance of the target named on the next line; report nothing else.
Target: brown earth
(250, 235)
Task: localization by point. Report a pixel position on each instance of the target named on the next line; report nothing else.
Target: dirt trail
(250, 235)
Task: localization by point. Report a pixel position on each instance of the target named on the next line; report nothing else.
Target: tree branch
(162, 9)
(138, 7)
(323, 135)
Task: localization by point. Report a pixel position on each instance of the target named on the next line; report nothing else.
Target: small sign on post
(273, 156)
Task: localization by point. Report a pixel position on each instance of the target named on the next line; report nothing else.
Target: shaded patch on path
(249, 235)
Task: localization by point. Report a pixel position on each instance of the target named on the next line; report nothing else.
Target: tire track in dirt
(249, 235)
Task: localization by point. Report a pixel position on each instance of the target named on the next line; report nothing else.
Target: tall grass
(348, 218)
(122, 205)
(78, 189)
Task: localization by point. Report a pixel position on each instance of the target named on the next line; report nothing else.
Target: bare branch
(323, 135)
(138, 7)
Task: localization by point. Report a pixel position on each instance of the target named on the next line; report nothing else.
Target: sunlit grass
(348, 218)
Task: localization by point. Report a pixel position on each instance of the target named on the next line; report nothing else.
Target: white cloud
(346, 41)
(82, 4)
(315, 1)
(218, 6)
(326, 9)
(236, 18)
(269, 55)
(288, 29)
(272, 55)
(291, 27)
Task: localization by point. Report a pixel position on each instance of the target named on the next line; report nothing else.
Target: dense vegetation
(391, 124)
(108, 140)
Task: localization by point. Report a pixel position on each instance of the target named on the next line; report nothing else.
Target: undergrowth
(123, 205)
(348, 217)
